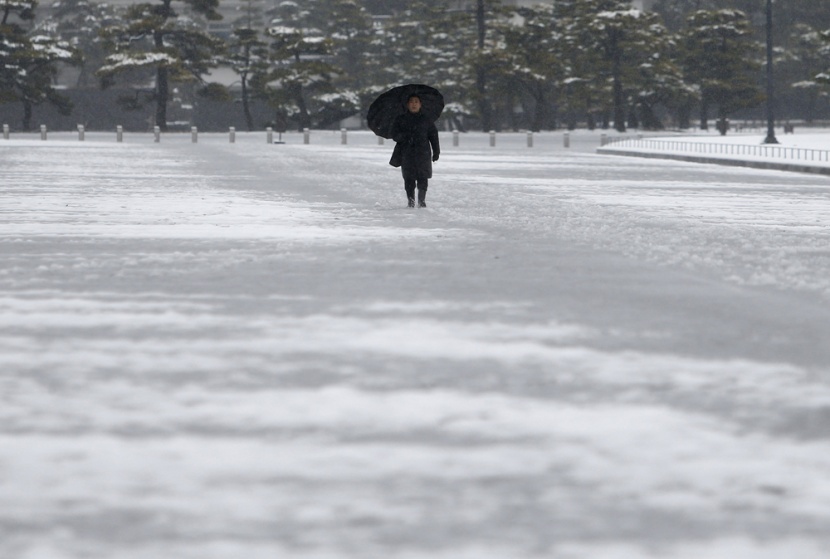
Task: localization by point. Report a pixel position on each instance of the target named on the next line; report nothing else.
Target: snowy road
(222, 350)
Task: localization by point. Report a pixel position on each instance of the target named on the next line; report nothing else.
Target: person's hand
(435, 157)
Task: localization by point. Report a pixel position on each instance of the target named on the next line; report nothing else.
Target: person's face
(414, 104)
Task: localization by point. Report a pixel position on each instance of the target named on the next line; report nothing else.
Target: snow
(136, 59)
(222, 350)
(619, 14)
(54, 50)
(804, 148)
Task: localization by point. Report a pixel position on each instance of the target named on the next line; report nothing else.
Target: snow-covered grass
(222, 350)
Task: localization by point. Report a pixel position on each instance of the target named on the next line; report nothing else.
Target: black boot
(410, 197)
(422, 197)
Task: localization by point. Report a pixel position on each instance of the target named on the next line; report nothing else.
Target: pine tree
(612, 44)
(300, 69)
(348, 25)
(533, 39)
(175, 47)
(799, 65)
(721, 58)
(29, 61)
(247, 54)
(824, 77)
(79, 23)
(434, 45)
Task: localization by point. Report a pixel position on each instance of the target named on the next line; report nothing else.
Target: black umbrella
(390, 104)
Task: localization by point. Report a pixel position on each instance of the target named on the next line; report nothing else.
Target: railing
(763, 150)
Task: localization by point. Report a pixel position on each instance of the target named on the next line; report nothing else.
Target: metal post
(43, 132)
(232, 135)
(530, 139)
(343, 136)
(306, 135)
(455, 138)
(566, 140)
(269, 135)
(603, 139)
(156, 134)
(5, 131)
(194, 134)
(119, 133)
(770, 139)
(492, 138)
(80, 132)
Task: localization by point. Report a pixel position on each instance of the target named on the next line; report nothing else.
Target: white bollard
(269, 135)
(566, 141)
(492, 138)
(119, 133)
(344, 139)
(306, 135)
(156, 134)
(5, 131)
(43, 132)
(194, 134)
(80, 132)
(530, 139)
(455, 138)
(232, 135)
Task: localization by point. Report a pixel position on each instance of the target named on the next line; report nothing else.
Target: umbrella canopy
(390, 104)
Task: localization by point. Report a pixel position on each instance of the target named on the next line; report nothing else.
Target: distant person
(414, 135)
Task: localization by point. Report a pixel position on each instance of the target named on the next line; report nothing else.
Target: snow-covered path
(223, 350)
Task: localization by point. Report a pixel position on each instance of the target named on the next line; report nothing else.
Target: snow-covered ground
(809, 147)
(246, 350)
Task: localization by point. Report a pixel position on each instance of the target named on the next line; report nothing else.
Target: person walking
(416, 148)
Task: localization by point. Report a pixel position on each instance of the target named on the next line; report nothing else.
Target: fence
(768, 151)
(269, 136)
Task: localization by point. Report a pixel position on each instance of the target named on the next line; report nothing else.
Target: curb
(793, 167)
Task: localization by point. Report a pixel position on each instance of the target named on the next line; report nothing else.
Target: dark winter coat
(415, 134)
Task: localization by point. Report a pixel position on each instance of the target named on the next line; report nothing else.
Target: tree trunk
(162, 76)
(650, 120)
(616, 75)
(481, 74)
(619, 109)
(811, 105)
(633, 120)
(249, 120)
(512, 122)
(304, 118)
(684, 116)
(590, 115)
(27, 115)
(704, 114)
(570, 115)
(540, 111)
(162, 94)
(723, 123)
